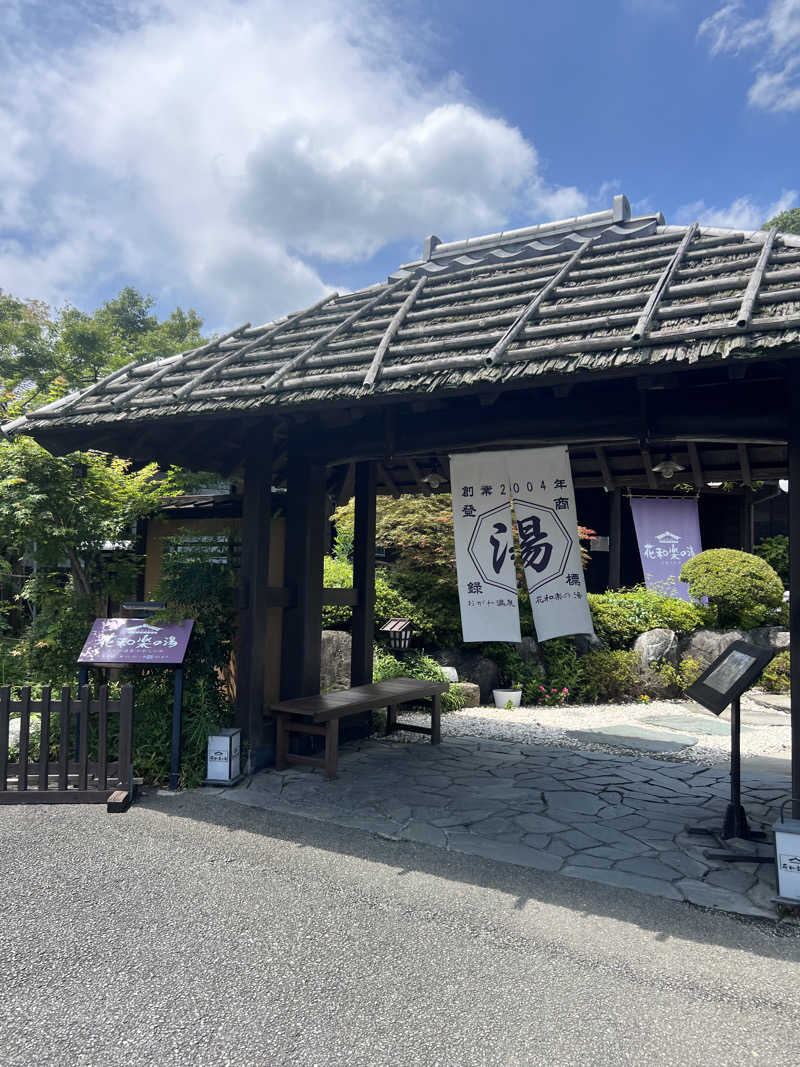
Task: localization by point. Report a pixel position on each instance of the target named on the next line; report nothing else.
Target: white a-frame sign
(538, 482)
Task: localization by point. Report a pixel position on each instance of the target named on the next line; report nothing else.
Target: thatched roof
(600, 294)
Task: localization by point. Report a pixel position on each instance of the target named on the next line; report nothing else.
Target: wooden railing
(85, 748)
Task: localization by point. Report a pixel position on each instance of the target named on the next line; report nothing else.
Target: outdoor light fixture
(434, 480)
(783, 485)
(668, 467)
(399, 631)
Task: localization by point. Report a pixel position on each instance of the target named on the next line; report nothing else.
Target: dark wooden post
(305, 542)
(615, 539)
(794, 575)
(363, 575)
(254, 580)
(746, 521)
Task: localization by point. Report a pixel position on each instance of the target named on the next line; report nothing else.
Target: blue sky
(245, 156)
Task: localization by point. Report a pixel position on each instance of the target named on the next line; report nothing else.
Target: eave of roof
(598, 294)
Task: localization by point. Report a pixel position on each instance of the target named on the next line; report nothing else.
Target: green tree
(786, 221)
(45, 353)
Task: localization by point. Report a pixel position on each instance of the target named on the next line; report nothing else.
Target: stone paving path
(616, 819)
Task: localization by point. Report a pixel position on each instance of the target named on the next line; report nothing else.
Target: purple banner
(668, 532)
(123, 642)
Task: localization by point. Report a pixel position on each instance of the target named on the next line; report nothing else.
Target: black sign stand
(722, 684)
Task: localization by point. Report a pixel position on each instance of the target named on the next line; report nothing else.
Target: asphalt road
(191, 932)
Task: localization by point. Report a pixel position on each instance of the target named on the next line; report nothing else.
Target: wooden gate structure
(628, 340)
(94, 777)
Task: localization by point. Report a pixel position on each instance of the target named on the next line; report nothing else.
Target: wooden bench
(321, 714)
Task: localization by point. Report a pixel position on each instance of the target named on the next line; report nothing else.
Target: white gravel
(765, 733)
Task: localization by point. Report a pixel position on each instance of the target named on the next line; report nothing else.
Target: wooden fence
(77, 739)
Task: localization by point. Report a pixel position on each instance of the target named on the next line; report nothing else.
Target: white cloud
(742, 214)
(776, 37)
(231, 154)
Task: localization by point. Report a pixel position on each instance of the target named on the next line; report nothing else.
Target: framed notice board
(729, 675)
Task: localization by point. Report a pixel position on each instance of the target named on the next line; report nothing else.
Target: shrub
(389, 603)
(775, 550)
(515, 672)
(620, 616)
(777, 677)
(562, 667)
(676, 680)
(607, 675)
(742, 589)
(415, 665)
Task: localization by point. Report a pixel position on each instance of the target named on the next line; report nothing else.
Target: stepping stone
(649, 868)
(700, 724)
(539, 824)
(637, 737)
(572, 800)
(653, 886)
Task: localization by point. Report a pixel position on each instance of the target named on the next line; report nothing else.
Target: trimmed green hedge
(742, 589)
(620, 616)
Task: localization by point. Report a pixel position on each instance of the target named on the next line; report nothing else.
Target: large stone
(450, 673)
(473, 667)
(13, 730)
(471, 694)
(769, 637)
(335, 668)
(529, 651)
(586, 643)
(655, 645)
(706, 645)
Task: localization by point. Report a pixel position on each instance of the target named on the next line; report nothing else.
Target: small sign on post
(141, 643)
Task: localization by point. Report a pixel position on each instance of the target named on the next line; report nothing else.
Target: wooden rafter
(388, 480)
(751, 292)
(329, 335)
(661, 286)
(694, 460)
(416, 474)
(605, 469)
(263, 339)
(172, 365)
(397, 321)
(497, 354)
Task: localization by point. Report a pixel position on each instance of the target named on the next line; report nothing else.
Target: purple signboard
(123, 642)
(668, 532)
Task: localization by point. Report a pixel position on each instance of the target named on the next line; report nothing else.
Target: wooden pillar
(363, 575)
(794, 575)
(615, 539)
(746, 521)
(306, 515)
(254, 580)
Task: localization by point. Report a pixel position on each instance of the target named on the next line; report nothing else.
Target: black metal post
(177, 709)
(735, 823)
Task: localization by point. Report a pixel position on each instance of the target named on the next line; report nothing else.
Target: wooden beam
(306, 507)
(363, 628)
(643, 324)
(254, 581)
(751, 292)
(744, 463)
(397, 321)
(348, 482)
(298, 360)
(605, 469)
(264, 338)
(416, 474)
(694, 460)
(388, 481)
(497, 353)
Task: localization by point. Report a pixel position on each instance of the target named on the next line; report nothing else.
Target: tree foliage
(786, 221)
(45, 353)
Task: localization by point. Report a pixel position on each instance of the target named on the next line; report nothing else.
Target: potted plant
(508, 697)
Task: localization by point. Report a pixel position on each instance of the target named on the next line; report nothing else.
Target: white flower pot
(502, 697)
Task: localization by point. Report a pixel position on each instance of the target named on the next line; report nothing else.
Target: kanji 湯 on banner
(538, 482)
(487, 583)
